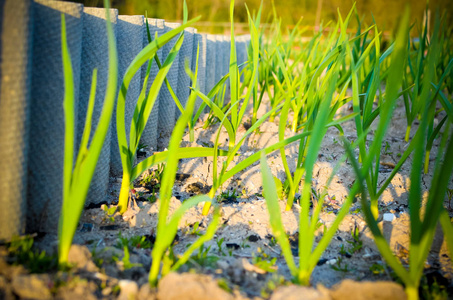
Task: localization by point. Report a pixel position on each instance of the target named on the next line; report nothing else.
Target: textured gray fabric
(218, 58)
(149, 135)
(47, 127)
(95, 55)
(210, 62)
(167, 105)
(200, 41)
(185, 54)
(228, 50)
(244, 41)
(130, 43)
(240, 52)
(15, 67)
(225, 56)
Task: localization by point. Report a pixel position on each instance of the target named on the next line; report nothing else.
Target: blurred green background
(385, 12)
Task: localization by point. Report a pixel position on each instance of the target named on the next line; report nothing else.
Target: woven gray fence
(167, 106)
(47, 125)
(94, 55)
(185, 56)
(15, 71)
(210, 62)
(129, 43)
(149, 136)
(218, 58)
(200, 45)
(32, 124)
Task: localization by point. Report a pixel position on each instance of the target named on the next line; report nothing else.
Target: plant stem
(374, 208)
(207, 205)
(155, 267)
(408, 133)
(191, 133)
(124, 192)
(412, 292)
(427, 161)
(303, 278)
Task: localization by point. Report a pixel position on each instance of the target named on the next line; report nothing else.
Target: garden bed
(243, 260)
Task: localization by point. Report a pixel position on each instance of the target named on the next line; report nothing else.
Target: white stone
(388, 217)
(331, 261)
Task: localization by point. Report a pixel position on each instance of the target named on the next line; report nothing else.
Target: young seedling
(143, 109)
(21, 252)
(422, 227)
(236, 115)
(77, 177)
(167, 226)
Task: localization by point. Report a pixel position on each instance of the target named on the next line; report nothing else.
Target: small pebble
(254, 238)
(331, 261)
(86, 227)
(389, 217)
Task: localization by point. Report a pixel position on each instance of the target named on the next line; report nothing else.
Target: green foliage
(154, 178)
(133, 242)
(340, 266)
(219, 246)
(377, 269)
(77, 178)
(264, 262)
(143, 108)
(21, 252)
(167, 227)
(125, 261)
(227, 196)
(307, 81)
(203, 259)
(422, 228)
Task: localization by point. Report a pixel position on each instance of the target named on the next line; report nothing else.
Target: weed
(340, 266)
(109, 213)
(377, 269)
(96, 259)
(387, 149)
(133, 242)
(227, 197)
(219, 246)
(223, 284)
(264, 262)
(356, 243)
(153, 179)
(125, 261)
(432, 289)
(203, 259)
(195, 229)
(22, 252)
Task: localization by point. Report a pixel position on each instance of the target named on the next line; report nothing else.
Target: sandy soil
(245, 231)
